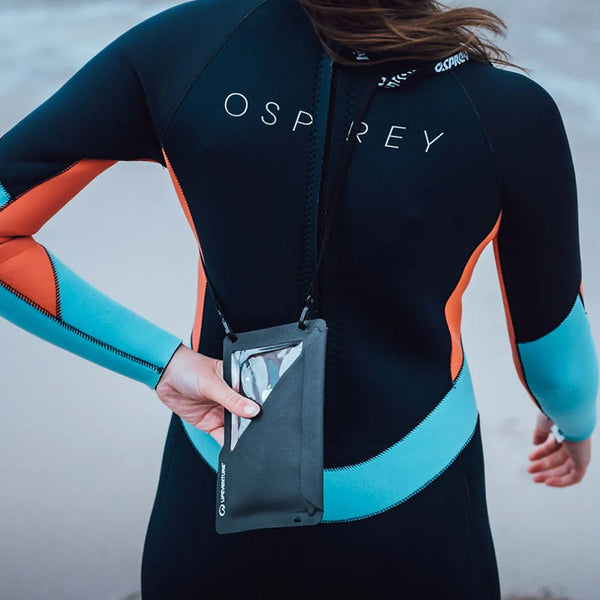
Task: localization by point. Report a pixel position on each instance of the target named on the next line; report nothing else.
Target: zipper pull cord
(419, 71)
(337, 192)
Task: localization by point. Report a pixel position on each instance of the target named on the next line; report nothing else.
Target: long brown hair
(406, 29)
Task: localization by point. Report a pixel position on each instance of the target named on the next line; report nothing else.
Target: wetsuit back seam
(485, 134)
(179, 102)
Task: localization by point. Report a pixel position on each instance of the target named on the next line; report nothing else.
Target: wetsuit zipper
(323, 187)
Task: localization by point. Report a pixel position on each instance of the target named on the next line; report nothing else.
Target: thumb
(227, 397)
(542, 428)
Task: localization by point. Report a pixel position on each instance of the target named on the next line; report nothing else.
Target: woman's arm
(537, 249)
(98, 117)
(537, 254)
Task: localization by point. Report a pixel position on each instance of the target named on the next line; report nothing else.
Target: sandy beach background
(80, 446)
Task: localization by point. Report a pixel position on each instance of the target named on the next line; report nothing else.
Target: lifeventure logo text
(222, 492)
(453, 61)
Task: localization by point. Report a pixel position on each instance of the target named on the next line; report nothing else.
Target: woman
(248, 104)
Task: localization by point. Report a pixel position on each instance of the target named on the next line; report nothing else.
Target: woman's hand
(557, 464)
(193, 387)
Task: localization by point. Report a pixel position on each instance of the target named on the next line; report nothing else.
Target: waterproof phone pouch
(270, 470)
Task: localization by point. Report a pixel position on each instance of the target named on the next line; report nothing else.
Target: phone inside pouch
(254, 374)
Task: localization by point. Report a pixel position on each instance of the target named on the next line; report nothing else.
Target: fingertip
(251, 409)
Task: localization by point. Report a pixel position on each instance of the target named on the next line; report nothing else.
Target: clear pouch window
(254, 374)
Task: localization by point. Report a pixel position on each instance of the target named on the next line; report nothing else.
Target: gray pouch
(270, 470)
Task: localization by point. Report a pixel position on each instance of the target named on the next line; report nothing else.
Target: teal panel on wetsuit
(561, 370)
(396, 474)
(410, 464)
(136, 348)
(24, 315)
(4, 197)
(92, 311)
(140, 348)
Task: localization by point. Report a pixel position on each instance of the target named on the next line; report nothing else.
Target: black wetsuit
(239, 100)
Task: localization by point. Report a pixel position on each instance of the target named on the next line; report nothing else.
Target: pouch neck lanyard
(422, 71)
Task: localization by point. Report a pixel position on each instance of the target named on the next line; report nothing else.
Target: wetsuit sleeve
(537, 255)
(98, 117)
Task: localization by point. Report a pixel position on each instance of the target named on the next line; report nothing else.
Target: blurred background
(80, 446)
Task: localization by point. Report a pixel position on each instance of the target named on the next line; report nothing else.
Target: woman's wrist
(168, 364)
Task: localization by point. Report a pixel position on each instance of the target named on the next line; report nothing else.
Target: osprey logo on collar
(455, 60)
(396, 80)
